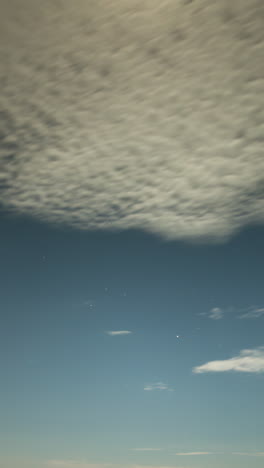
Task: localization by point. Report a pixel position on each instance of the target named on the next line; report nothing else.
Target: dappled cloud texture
(119, 114)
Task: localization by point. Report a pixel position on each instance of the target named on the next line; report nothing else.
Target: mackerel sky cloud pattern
(133, 114)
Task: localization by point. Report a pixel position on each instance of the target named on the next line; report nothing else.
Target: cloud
(193, 453)
(249, 454)
(216, 313)
(118, 332)
(89, 303)
(138, 121)
(249, 360)
(157, 386)
(253, 313)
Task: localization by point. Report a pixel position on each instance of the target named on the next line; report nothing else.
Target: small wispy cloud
(216, 313)
(248, 360)
(249, 454)
(118, 332)
(253, 313)
(188, 454)
(89, 303)
(157, 386)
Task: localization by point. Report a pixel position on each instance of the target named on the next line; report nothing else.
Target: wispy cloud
(89, 303)
(249, 454)
(216, 313)
(118, 332)
(157, 386)
(253, 313)
(248, 360)
(188, 454)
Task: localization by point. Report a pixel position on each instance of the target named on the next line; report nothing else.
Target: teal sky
(75, 395)
(131, 227)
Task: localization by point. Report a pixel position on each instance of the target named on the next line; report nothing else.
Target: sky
(131, 224)
(110, 344)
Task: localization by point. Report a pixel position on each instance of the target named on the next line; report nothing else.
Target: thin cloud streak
(249, 360)
(118, 332)
(216, 313)
(188, 454)
(253, 313)
(249, 454)
(157, 386)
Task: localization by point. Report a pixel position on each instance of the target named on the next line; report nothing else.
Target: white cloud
(253, 313)
(216, 313)
(249, 360)
(193, 453)
(118, 332)
(157, 127)
(157, 386)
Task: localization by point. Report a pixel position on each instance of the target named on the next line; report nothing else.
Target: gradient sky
(72, 391)
(131, 223)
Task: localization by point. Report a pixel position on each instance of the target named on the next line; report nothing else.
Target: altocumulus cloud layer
(134, 114)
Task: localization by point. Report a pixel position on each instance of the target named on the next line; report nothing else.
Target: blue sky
(76, 385)
(131, 223)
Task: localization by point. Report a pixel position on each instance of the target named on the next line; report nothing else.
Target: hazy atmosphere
(131, 217)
